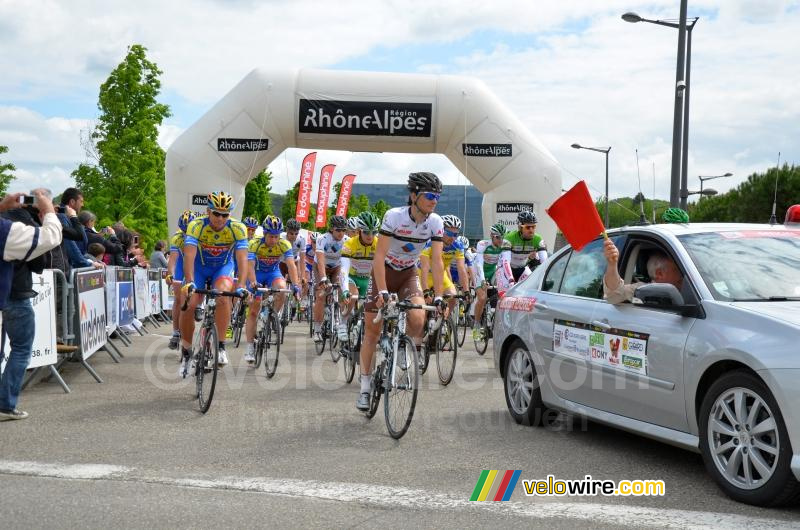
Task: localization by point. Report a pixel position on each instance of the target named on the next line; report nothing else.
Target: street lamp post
(703, 179)
(707, 191)
(680, 128)
(605, 151)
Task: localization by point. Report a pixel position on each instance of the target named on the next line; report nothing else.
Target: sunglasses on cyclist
(430, 196)
(338, 230)
(370, 232)
(219, 214)
(451, 233)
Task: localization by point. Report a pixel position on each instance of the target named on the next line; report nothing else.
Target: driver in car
(660, 268)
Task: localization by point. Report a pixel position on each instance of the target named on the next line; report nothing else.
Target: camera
(26, 200)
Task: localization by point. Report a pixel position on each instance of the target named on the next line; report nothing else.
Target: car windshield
(748, 265)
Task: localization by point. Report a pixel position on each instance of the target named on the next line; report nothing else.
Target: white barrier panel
(167, 296)
(154, 284)
(142, 292)
(44, 309)
(125, 297)
(111, 299)
(91, 311)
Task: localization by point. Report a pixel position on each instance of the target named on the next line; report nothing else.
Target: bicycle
(268, 336)
(486, 323)
(396, 373)
(310, 308)
(238, 319)
(206, 348)
(351, 350)
(464, 320)
(330, 321)
(440, 340)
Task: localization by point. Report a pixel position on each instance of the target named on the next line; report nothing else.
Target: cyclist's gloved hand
(188, 288)
(439, 302)
(168, 279)
(384, 295)
(241, 292)
(295, 290)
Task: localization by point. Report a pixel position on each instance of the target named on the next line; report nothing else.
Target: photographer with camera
(25, 235)
(106, 237)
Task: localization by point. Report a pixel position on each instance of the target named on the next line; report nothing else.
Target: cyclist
(265, 254)
(251, 223)
(298, 243)
(175, 274)
(212, 244)
(492, 256)
(357, 255)
(352, 228)
(404, 233)
(452, 253)
(327, 267)
(528, 249)
(469, 262)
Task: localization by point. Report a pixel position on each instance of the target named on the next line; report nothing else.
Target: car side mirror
(665, 296)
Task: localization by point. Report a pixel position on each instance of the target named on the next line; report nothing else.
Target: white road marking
(394, 497)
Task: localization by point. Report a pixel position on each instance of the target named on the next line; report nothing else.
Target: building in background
(452, 202)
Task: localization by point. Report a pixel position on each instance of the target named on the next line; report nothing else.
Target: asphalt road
(293, 451)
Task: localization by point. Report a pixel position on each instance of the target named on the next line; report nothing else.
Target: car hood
(785, 311)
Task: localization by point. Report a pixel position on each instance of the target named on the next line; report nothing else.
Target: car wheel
(523, 395)
(744, 442)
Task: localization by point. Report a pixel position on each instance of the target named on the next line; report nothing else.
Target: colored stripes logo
(494, 485)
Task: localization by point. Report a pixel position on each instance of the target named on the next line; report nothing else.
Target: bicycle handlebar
(212, 293)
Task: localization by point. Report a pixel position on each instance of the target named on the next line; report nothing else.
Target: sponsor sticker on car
(618, 348)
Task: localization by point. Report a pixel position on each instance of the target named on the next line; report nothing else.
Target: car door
(637, 366)
(572, 288)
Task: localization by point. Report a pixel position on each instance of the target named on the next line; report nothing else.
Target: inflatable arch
(270, 111)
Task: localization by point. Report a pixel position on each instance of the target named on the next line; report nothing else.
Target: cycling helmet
(463, 240)
(793, 214)
(312, 237)
(293, 225)
(186, 217)
(526, 217)
(368, 221)
(675, 215)
(424, 181)
(272, 225)
(452, 220)
(498, 229)
(337, 222)
(352, 223)
(220, 201)
(250, 222)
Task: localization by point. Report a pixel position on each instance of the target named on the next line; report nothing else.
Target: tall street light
(703, 179)
(599, 150)
(680, 126)
(707, 191)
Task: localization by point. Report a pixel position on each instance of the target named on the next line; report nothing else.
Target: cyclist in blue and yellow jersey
(357, 254)
(212, 244)
(265, 254)
(452, 253)
(251, 223)
(469, 261)
(175, 274)
(327, 267)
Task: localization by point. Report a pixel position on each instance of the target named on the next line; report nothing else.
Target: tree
(289, 207)
(257, 199)
(6, 175)
(358, 203)
(625, 211)
(380, 208)
(123, 179)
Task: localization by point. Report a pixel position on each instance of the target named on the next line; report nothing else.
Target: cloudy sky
(572, 70)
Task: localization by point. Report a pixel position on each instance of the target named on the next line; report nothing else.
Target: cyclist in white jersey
(403, 235)
(327, 267)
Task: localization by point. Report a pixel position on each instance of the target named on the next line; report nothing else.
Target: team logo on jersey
(408, 247)
(215, 250)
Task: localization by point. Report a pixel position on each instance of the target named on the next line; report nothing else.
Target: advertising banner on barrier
(111, 298)
(141, 291)
(167, 296)
(43, 352)
(125, 304)
(91, 311)
(154, 284)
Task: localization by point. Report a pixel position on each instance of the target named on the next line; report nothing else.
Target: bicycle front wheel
(400, 392)
(336, 319)
(273, 346)
(462, 322)
(351, 357)
(447, 352)
(206, 369)
(284, 318)
(239, 309)
(259, 349)
(482, 341)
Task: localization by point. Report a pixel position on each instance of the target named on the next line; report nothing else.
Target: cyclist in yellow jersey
(212, 244)
(357, 256)
(174, 277)
(452, 251)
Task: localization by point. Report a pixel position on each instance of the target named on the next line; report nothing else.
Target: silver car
(711, 365)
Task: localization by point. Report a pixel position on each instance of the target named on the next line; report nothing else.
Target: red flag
(304, 193)
(344, 194)
(325, 178)
(576, 216)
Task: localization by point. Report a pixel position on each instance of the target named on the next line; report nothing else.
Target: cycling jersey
(176, 242)
(469, 259)
(332, 249)
(407, 237)
(521, 248)
(487, 257)
(452, 251)
(267, 259)
(359, 255)
(215, 248)
(298, 246)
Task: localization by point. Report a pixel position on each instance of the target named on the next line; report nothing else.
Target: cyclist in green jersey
(491, 256)
(528, 249)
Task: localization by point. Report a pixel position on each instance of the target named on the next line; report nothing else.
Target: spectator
(97, 251)
(23, 242)
(71, 203)
(157, 259)
(107, 238)
(129, 241)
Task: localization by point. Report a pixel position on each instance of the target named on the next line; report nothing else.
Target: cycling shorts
(177, 276)
(362, 283)
(205, 274)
